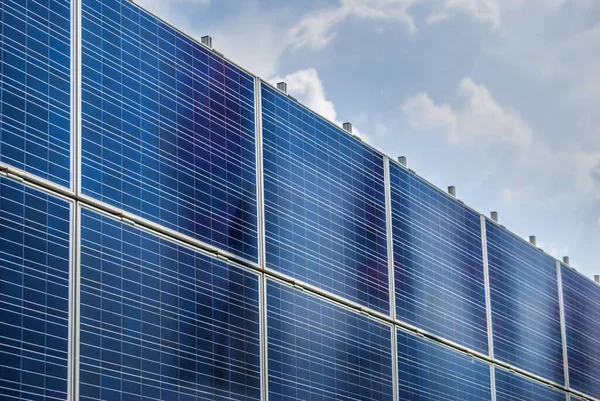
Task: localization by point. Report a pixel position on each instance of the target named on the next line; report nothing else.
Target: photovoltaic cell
(34, 294)
(324, 204)
(35, 74)
(524, 301)
(581, 299)
(514, 387)
(438, 263)
(320, 351)
(429, 371)
(162, 322)
(167, 128)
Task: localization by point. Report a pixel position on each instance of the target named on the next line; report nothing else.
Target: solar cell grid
(34, 293)
(438, 262)
(167, 128)
(324, 204)
(581, 299)
(160, 321)
(524, 301)
(514, 387)
(35, 67)
(320, 351)
(429, 371)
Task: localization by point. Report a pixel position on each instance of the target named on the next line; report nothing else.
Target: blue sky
(500, 98)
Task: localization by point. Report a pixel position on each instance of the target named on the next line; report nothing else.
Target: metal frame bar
(563, 328)
(391, 274)
(74, 238)
(488, 305)
(262, 261)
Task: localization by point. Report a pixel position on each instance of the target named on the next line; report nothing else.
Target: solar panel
(581, 298)
(429, 371)
(438, 263)
(524, 301)
(514, 387)
(167, 128)
(34, 293)
(35, 86)
(324, 204)
(162, 322)
(320, 351)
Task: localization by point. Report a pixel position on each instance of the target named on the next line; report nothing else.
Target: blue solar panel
(167, 128)
(320, 351)
(525, 310)
(514, 387)
(324, 204)
(35, 68)
(34, 294)
(429, 371)
(162, 322)
(581, 299)
(438, 262)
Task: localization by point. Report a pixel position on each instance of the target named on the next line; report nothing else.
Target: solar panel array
(514, 387)
(172, 133)
(431, 371)
(34, 293)
(167, 128)
(438, 262)
(525, 309)
(324, 204)
(35, 87)
(581, 299)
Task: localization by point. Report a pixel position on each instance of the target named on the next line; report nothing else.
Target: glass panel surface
(34, 294)
(438, 262)
(429, 371)
(321, 351)
(324, 204)
(514, 387)
(162, 322)
(35, 85)
(168, 128)
(525, 310)
(581, 299)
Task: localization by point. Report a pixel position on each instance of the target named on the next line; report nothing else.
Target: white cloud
(438, 17)
(476, 119)
(306, 86)
(483, 10)
(319, 28)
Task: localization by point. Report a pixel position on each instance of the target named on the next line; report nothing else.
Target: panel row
(160, 321)
(168, 133)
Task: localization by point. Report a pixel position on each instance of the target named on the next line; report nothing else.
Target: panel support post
(260, 214)
(488, 303)
(563, 330)
(75, 226)
(390, 255)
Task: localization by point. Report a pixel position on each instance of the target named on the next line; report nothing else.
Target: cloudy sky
(500, 98)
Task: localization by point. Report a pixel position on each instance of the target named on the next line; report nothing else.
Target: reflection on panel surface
(514, 387)
(162, 322)
(35, 67)
(429, 371)
(168, 128)
(34, 292)
(324, 204)
(321, 351)
(525, 310)
(581, 299)
(438, 264)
